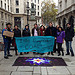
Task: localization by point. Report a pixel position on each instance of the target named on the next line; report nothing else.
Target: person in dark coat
(51, 31)
(69, 34)
(26, 32)
(17, 33)
(35, 32)
(7, 41)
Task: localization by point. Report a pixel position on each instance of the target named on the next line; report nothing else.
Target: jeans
(69, 47)
(6, 48)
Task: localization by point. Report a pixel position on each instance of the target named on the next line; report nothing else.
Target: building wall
(66, 12)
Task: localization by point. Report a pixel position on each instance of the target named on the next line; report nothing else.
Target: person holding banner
(25, 33)
(35, 32)
(60, 40)
(51, 31)
(7, 41)
(17, 33)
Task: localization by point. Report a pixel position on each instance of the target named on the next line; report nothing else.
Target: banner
(40, 44)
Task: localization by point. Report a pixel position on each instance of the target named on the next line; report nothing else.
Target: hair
(26, 25)
(16, 25)
(50, 22)
(8, 24)
(68, 23)
(61, 29)
(41, 26)
(35, 24)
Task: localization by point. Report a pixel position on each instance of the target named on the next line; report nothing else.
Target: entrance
(64, 23)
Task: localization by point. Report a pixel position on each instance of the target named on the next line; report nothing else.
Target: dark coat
(69, 34)
(26, 33)
(17, 33)
(52, 33)
(37, 31)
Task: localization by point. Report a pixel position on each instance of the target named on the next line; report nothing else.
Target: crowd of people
(57, 32)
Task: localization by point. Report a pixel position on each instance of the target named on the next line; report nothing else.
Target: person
(69, 34)
(7, 41)
(60, 40)
(25, 33)
(35, 32)
(51, 31)
(17, 33)
(42, 30)
(55, 49)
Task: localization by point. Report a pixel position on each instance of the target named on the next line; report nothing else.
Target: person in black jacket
(51, 31)
(26, 32)
(69, 34)
(17, 33)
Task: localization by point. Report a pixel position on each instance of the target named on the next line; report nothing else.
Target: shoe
(52, 54)
(72, 55)
(42, 54)
(9, 55)
(59, 54)
(6, 57)
(62, 53)
(48, 53)
(67, 54)
(21, 53)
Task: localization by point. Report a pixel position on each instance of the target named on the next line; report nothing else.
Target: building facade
(16, 12)
(5, 13)
(66, 12)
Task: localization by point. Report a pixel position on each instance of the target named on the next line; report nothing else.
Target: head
(35, 25)
(27, 27)
(60, 29)
(50, 24)
(16, 27)
(68, 25)
(42, 27)
(8, 25)
(57, 26)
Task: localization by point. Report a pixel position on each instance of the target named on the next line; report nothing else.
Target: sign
(40, 44)
(8, 34)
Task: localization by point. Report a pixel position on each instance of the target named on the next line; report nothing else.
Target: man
(51, 31)
(35, 32)
(69, 34)
(7, 41)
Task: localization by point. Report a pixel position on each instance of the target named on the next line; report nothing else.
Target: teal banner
(40, 44)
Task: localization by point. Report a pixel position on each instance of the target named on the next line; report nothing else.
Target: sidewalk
(6, 67)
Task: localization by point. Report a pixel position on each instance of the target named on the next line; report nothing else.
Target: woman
(60, 40)
(26, 32)
(17, 33)
(42, 30)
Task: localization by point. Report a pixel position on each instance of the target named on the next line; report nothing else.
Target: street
(6, 67)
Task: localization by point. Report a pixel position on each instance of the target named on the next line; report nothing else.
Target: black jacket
(26, 33)
(69, 34)
(38, 31)
(17, 33)
(52, 33)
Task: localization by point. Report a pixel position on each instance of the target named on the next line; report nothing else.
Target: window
(5, 5)
(28, 4)
(17, 2)
(38, 1)
(8, 7)
(65, 3)
(38, 7)
(35, 1)
(38, 13)
(1, 4)
(1, 15)
(17, 10)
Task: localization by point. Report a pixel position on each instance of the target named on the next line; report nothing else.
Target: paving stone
(21, 73)
(5, 73)
(25, 68)
(37, 71)
(72, 70)
(7, 69)
(43, 71)
(58, 71)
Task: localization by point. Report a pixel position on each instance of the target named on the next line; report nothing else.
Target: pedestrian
(60, 40)
(25, 33)
(42, 30)
(69, 34)
(7, 41)
(51, 31)
(17, 33)
(35, 32)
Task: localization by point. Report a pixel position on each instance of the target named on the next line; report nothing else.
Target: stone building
(5, 13)
(16, 12)
(66, 12)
